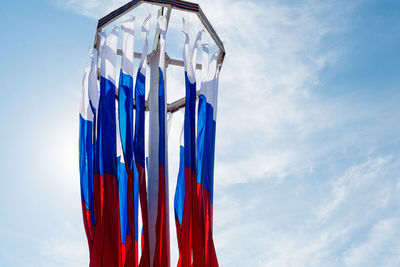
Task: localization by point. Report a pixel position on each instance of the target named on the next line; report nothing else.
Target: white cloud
(264, 224)
(382, 242)
(355, 179)
(65, 249)
(92, 8)
(281, 199)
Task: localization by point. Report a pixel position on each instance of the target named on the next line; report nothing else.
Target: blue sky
(308, 136)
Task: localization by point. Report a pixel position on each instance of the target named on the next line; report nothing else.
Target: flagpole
(153, 171)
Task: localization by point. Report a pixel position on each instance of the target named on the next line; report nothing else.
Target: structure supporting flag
(114, 157)
(161, 254)
(206, 127)
(139, 142)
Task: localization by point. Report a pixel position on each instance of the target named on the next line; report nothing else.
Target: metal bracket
(170, 4)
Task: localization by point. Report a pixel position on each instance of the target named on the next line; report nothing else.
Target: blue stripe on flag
(86, 162)
(125, 111)
(138, 143)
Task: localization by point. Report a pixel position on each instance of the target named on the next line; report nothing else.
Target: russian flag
(179, 198)
(197, 220)
(206, 127)
(189, 228)
(107, 236)
(86, 123)
(161, 254)
(125, 114)
(139, 142)
(123, 188)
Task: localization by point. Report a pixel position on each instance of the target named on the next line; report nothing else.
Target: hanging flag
(86, 121)
(207, 113)
(139, 142)
(86, 144)
(98, 192)
(179, 199)
(87, 116)
(161, 255)
(197, 220)
(125, 113)
(122, 176)
(107, 228)
(190, 230)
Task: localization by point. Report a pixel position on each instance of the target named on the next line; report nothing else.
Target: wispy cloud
(382, 243)
(65, 249)
(286, 192)
(92, 8)
(355, 179)
(264, 224)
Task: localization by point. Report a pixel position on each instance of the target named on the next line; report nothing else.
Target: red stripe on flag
(197, 225)
(161, 252)
(107, 236)
(132, 251)
(145, 258)
(209, 249)
(185, 241)
(87, 222)
(98, 236)
(112, 239)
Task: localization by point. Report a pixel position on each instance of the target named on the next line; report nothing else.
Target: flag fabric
(86, 122)
(197, 221)
(189, 228)
(206, 128)
(94, 94)
(98, 192)
(161, 254)
(112, 159)
(105, 184)
(129, 235)
(139, 142)
(179, 198)
(122, 176)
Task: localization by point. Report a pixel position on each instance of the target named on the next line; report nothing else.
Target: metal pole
(152, 186)
(153, 172)
(170, 4)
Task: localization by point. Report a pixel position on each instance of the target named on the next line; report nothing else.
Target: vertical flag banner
(197, 221)
(139, 142)
(179, 199)
(98, 192)
(86, 121)
(161, 255)
(123, 144)
(206, 128)
(105, 179)
(122, 176)
(190, 230)
(184, 240)
(125, 111)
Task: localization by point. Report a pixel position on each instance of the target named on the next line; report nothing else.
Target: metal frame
(170, 4)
